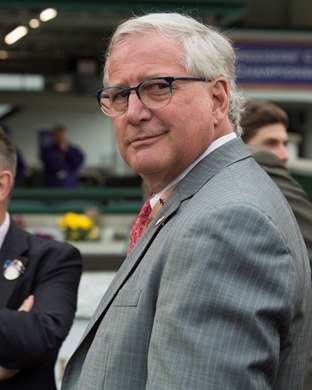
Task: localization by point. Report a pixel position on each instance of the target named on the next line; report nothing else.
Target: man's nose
(136, 109)
(283, 153)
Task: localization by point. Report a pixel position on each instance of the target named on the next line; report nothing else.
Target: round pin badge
(13, 269)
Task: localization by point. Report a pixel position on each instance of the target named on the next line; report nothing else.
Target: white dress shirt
(213, 146)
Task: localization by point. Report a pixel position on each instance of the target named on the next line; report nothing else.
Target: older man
(215, 292)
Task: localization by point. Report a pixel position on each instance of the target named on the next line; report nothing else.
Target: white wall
(87, 126)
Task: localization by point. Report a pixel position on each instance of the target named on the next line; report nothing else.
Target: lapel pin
(159, 221)
(12, 269)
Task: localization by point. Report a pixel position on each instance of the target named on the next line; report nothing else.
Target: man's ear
(6, 184)
(220, 98)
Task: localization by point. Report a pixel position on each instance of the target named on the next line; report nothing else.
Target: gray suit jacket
(293, 192)
(216, 294)
(299, 203)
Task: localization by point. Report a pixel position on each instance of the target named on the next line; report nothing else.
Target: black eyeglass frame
(136, 89)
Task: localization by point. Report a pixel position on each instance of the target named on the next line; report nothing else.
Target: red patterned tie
(139, 224)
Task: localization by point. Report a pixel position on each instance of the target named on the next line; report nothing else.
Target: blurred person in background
(38, 294)
(265, 124)
(61, 160)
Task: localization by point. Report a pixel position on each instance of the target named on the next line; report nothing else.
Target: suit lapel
(133, 260)
(13, 247)
(216, 161)
(224, 156)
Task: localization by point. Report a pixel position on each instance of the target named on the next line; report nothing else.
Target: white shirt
(213, 146)
(4, 228)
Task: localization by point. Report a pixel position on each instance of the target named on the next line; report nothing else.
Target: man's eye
(119, 96)
(271, 143)
(156, 87)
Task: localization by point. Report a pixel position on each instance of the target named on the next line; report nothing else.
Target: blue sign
(274, 63)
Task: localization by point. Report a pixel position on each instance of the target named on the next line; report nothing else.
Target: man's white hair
(207, 52)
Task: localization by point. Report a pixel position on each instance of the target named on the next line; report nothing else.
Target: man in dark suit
(38, 292)
(215, 292)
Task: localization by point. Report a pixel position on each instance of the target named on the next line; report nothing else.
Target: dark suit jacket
(30, 340)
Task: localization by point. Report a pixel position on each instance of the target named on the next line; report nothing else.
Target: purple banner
(274, 63)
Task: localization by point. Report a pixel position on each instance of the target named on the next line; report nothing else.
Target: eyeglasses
(154, 93)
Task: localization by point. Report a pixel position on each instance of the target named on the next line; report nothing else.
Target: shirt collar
(4, 228)
(213, 146)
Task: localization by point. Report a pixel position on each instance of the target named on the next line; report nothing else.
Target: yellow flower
(75, 221)
(85, 222)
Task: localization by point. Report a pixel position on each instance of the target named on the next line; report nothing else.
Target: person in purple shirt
(61, 161)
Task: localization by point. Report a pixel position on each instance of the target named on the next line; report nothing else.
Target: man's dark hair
(260, 113)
